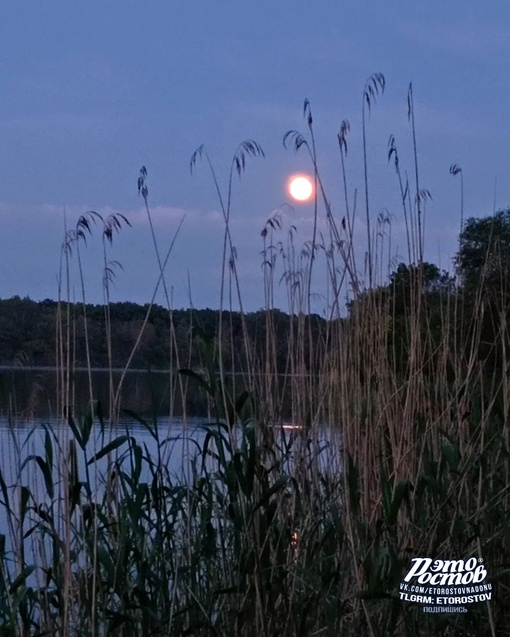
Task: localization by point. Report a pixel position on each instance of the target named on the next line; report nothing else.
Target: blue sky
(93, 91)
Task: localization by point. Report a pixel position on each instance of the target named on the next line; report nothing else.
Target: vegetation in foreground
(266, 533)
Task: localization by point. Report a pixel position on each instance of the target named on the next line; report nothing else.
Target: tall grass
(270, 531)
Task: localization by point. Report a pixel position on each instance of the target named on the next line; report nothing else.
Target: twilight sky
(92, 91)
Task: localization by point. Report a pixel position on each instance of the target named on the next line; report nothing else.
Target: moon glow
(300, 187)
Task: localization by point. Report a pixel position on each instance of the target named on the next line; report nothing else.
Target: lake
(32, 391)
(179, 443)
(31, 395)
(27, 437)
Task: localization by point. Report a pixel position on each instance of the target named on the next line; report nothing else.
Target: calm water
(178, 443)
(31, 394)
(177, 440)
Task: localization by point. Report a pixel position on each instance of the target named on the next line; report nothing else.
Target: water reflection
(32, 392)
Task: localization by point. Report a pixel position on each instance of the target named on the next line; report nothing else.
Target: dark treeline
(29, 335)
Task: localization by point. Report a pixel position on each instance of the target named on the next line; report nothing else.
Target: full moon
(300, 188)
